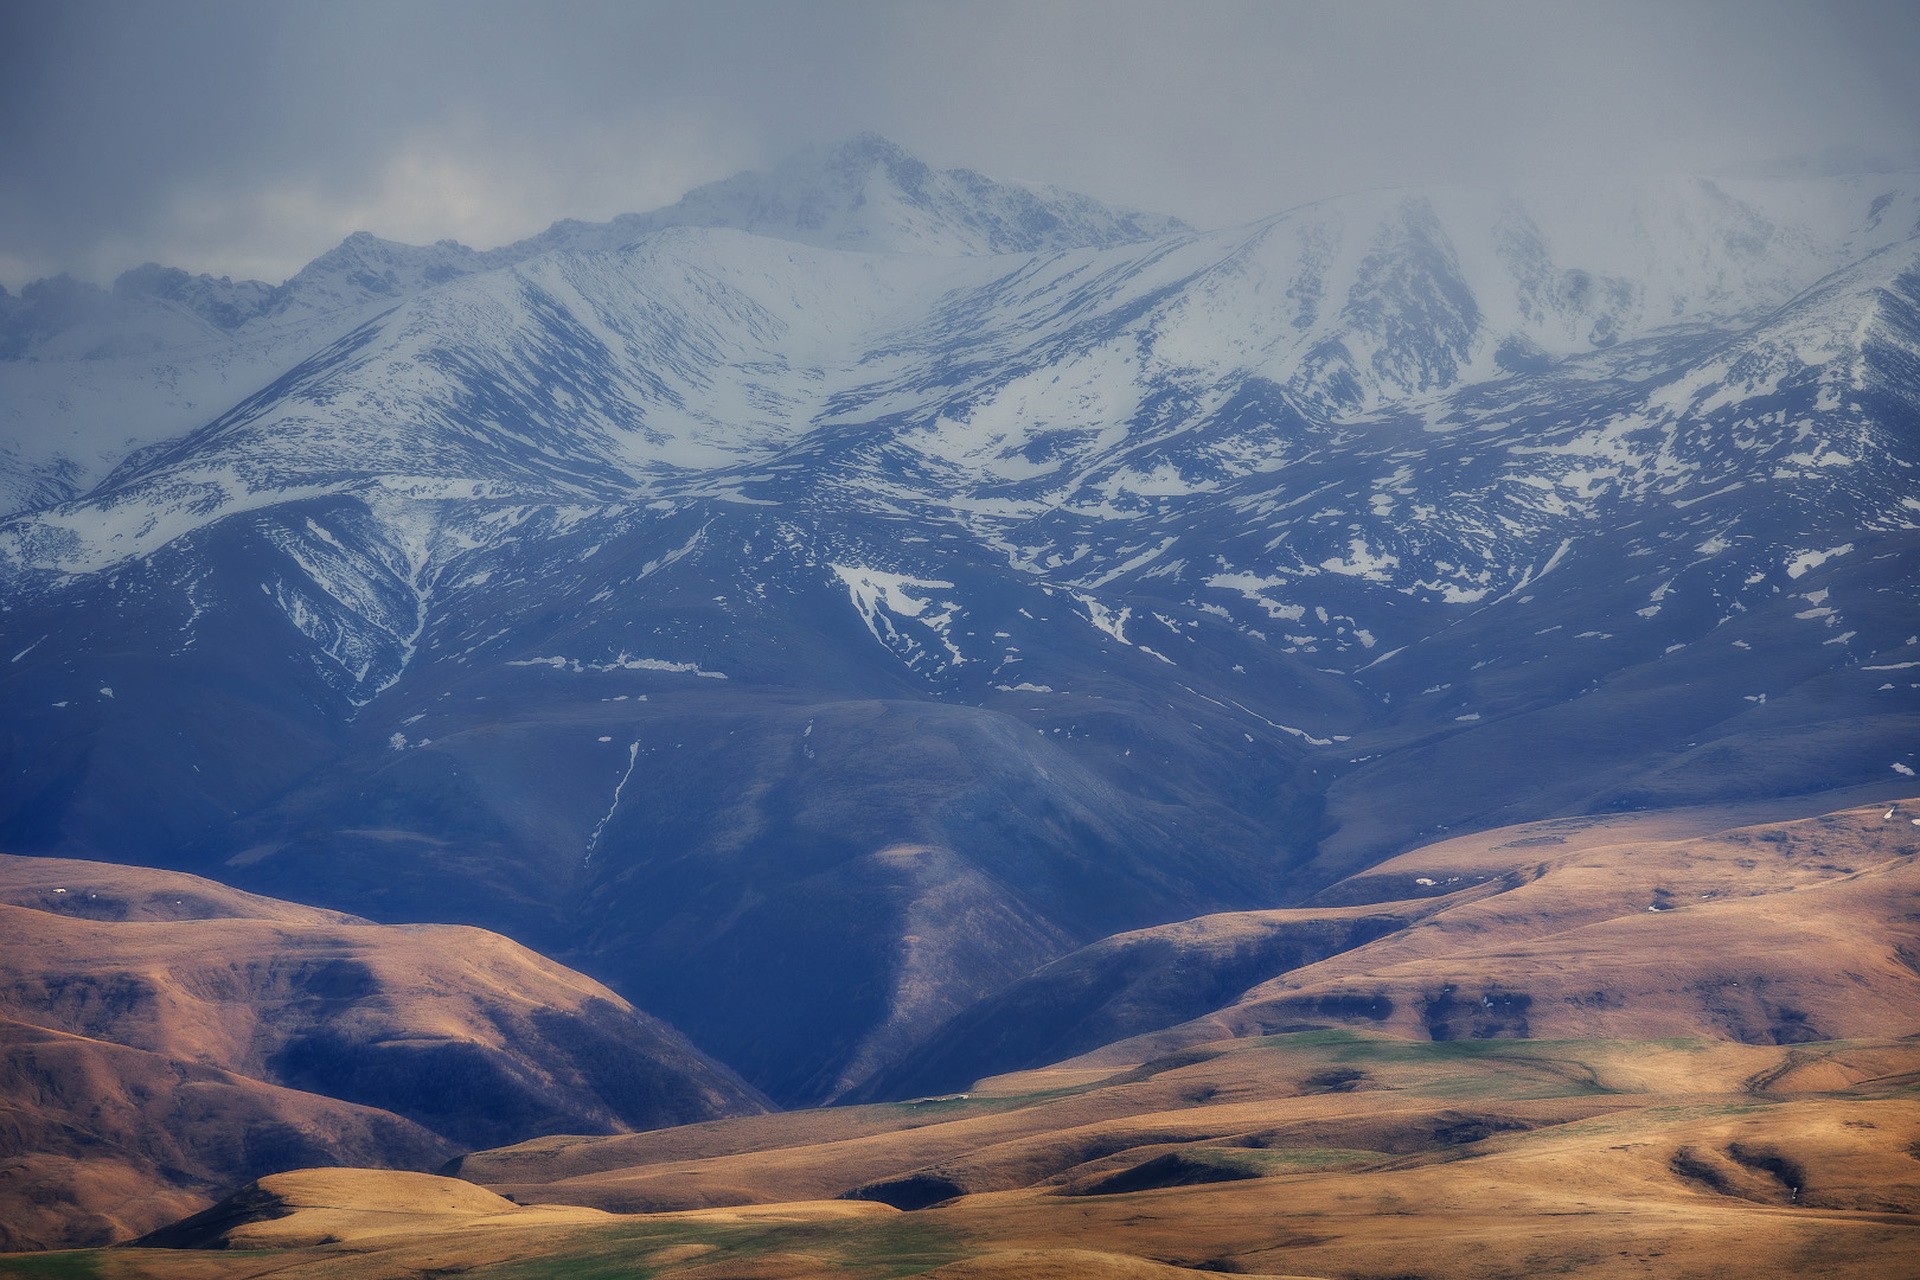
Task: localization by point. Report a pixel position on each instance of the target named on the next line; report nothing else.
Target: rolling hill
(166, 1037)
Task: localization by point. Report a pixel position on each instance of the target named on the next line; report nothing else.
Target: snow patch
(881, 597)
(1801, 563)
(1104, 619)
(621, 663)
(1254, 588)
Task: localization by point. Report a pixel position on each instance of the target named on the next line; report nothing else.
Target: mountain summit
(868, 194)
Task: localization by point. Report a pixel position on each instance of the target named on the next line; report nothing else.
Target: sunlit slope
(1769, 934)
(1657, 924)
(1321, 1154)
(166, 1037)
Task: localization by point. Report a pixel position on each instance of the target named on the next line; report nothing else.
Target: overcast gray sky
(245, 138)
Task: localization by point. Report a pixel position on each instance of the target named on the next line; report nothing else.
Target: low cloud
(244, 138)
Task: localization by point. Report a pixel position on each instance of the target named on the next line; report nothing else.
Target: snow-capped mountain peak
(868, 194)
(364, 268)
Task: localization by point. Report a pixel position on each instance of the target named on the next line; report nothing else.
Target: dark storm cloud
(246, 137)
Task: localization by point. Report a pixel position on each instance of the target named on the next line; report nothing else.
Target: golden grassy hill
(1314, 1154)
(101, 1141)
(1775, 933)
(1152, 990)
(164, 1038)
(331, 1206)
(110, 891)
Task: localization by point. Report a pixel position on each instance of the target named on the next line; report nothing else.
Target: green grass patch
(950, 1104)
(1340, 1044)
(940, 1110)
(960, 1105)
(1495, 1086)
(1270, 1162)
(84, 1265)
(906, 1246)
(1639, 1120)
(879, 1249)
(1705, 1111)
(1504, 1068)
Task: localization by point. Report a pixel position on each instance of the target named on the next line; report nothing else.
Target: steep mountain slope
(165, 1036)
(815, 643)
(1132, 983)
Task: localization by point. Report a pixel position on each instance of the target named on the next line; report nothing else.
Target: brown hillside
(1775, 933)
(1317, 1154)
(1743, 1099)
(166, 1038)
(102, 1141)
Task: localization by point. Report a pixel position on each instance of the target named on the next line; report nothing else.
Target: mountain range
(820, 607)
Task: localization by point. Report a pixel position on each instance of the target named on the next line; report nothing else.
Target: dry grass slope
(163, 1038)
(1775, 933)
(1355, 1155)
